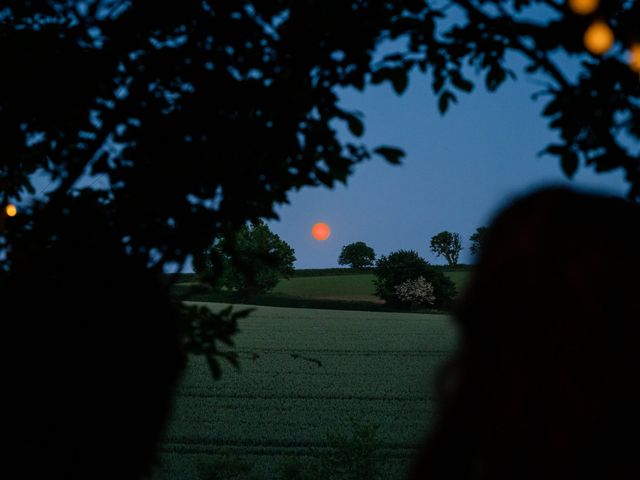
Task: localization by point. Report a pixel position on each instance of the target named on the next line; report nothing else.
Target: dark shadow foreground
(95, 358)
(546, 383)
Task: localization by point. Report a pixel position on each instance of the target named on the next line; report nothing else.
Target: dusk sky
(458, 170)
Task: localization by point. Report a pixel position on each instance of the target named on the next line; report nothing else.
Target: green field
(305, 372)
(335, 287)
(460, 278)
(340, 291)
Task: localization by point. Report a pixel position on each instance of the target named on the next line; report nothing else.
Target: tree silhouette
(357, 255)
(260, 260)
(396, 268)
(477, 240)
(447, 245)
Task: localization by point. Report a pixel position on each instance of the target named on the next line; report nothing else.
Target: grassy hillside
(341, 291)
(459, 277)
(339, 287)
(304, 373)
(357, 287)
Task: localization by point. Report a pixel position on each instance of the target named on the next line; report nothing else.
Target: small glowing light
(598, 38)
(584, 7)
(321, 231)
(11, 210)
(634, 57)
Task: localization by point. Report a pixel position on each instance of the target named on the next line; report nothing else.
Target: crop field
(356, 287)
(323, 291)
(334, 287)
(460, 278)
(304, 373)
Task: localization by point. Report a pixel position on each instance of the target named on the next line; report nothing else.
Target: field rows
(304, 373)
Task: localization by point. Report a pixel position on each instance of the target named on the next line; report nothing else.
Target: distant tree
(260, 259)
(357, 255)
(394, 270)
(448, 245)
(477, 240)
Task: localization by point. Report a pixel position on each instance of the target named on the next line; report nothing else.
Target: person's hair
(546, 379)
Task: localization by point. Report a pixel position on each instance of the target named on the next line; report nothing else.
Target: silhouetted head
(545, 383)
(96, 353)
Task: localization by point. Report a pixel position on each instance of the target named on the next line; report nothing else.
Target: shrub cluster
(416, 292)
(404, 265)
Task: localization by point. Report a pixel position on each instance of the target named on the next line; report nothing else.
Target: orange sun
(321, 231)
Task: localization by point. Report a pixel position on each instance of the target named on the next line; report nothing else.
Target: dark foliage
(250, 261)
(447, 245)
(397, 267)
(93, 342)
(357, 255)
(544, 384)
(323, 272)
(477, 240)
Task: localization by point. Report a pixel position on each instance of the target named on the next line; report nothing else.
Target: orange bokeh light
(584, 7)
(634, 57)
(321, 231)
(11, 210)
(598, 38)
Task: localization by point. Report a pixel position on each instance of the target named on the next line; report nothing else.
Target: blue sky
(458, 171)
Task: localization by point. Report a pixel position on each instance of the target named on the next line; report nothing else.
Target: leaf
(553, 107)
(381, 75)
(324, 177)
(495, 76)
(391, 154)
(445, 99)
(354, 123)
(438, 81)
(554, 149)
(460, 82)
(569, 162)
(399, 80)
(605, 163)
(397, 76)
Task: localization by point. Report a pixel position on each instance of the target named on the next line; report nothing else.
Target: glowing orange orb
(598, 38)
(11, 210)
(321, 231)
(584, 7)
(634, 57)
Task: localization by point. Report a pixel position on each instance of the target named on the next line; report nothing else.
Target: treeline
(403, 279)
(251, 261)
(332, 272)
(445, 244)
(325, 272)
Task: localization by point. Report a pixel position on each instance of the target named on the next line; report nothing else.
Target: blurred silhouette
(95, 350)
(545, 383)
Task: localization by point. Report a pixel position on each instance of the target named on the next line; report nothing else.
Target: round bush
(398, 267)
